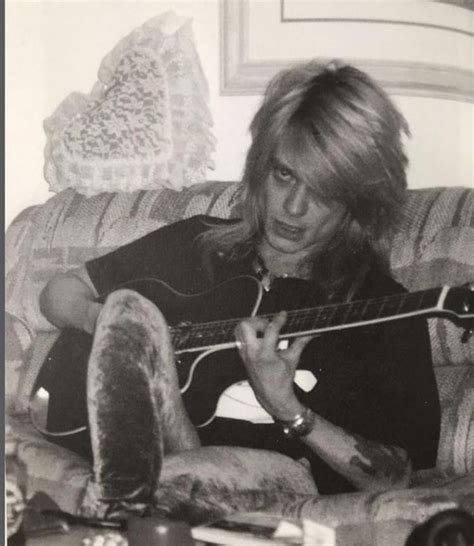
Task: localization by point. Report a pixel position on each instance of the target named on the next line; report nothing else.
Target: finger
(297, 347)
(272, 331)
(246, 334)
(255, 324)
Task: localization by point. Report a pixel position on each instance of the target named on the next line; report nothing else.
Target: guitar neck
(317, 320)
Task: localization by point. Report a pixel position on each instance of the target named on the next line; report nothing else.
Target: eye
(282, 173)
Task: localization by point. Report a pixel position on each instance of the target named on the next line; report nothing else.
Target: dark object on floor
(448, 528)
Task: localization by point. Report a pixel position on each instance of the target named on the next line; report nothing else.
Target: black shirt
(375, 381)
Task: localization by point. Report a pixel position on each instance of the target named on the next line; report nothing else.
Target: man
(323, 187)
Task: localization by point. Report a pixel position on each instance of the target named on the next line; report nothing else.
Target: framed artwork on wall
(412, 48)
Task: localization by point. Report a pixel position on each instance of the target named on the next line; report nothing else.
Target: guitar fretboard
(315, 319)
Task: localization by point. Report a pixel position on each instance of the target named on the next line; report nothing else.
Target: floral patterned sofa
(435, 246)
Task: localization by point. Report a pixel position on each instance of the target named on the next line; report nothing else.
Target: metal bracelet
(300, 426)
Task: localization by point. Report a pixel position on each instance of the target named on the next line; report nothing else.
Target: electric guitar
(202, 332)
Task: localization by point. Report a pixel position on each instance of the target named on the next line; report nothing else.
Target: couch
(434, 246)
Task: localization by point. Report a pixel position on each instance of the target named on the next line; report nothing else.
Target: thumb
(297, 347)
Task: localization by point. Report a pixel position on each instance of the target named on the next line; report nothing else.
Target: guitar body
(203, 374)
(201, 329)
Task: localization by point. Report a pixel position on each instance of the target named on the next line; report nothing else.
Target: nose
(296, 201)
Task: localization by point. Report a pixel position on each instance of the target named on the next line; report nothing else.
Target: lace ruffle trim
(145, 124)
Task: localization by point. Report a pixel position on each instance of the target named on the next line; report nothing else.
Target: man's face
(295, 221)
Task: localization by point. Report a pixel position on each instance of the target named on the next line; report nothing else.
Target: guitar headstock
(459, 303)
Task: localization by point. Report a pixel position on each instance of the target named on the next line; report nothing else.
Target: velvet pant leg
(146, 451)
(135, 408)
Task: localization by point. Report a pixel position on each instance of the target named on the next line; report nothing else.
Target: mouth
(287, 231)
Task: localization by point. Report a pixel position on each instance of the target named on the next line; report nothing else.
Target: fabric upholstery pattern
(51, 466)
(17, 340)
(145, 124)
(435, 238)
(456, 390)
(33, 360)
(413, 504)
(433, 247)
(82, 495)
(70, 229)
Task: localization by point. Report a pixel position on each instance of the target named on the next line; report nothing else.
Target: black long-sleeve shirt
(376, 381)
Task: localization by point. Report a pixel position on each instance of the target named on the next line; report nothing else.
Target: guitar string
(332, 309)
(318, 313)
(410, 301)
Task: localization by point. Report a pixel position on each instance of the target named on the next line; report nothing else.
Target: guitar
(203, 338)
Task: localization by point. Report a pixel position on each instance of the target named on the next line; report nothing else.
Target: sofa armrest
(50, 467)
(63, 475)
(17, 342)
(24, 357)
(417, 504)
(456, 447)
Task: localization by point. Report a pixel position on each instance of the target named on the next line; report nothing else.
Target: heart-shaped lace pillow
(146, 123)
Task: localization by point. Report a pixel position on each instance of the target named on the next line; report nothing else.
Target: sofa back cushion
(435, 244)
(70, 229)
(66, 231)
(433, 247)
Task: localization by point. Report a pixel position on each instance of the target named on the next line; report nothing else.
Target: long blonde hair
(345, 135)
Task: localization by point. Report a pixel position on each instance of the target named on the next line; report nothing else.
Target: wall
(54, 48)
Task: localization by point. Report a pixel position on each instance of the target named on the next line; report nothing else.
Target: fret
(324, 316)
(195, 336)
(391, 306)
(220, 335)
(341, 313)
(356, 311)
(374, 310)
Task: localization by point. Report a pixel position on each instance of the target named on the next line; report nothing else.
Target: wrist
(288, 410)
(299, 426)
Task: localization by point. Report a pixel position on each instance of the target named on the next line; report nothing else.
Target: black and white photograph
(239, 272)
